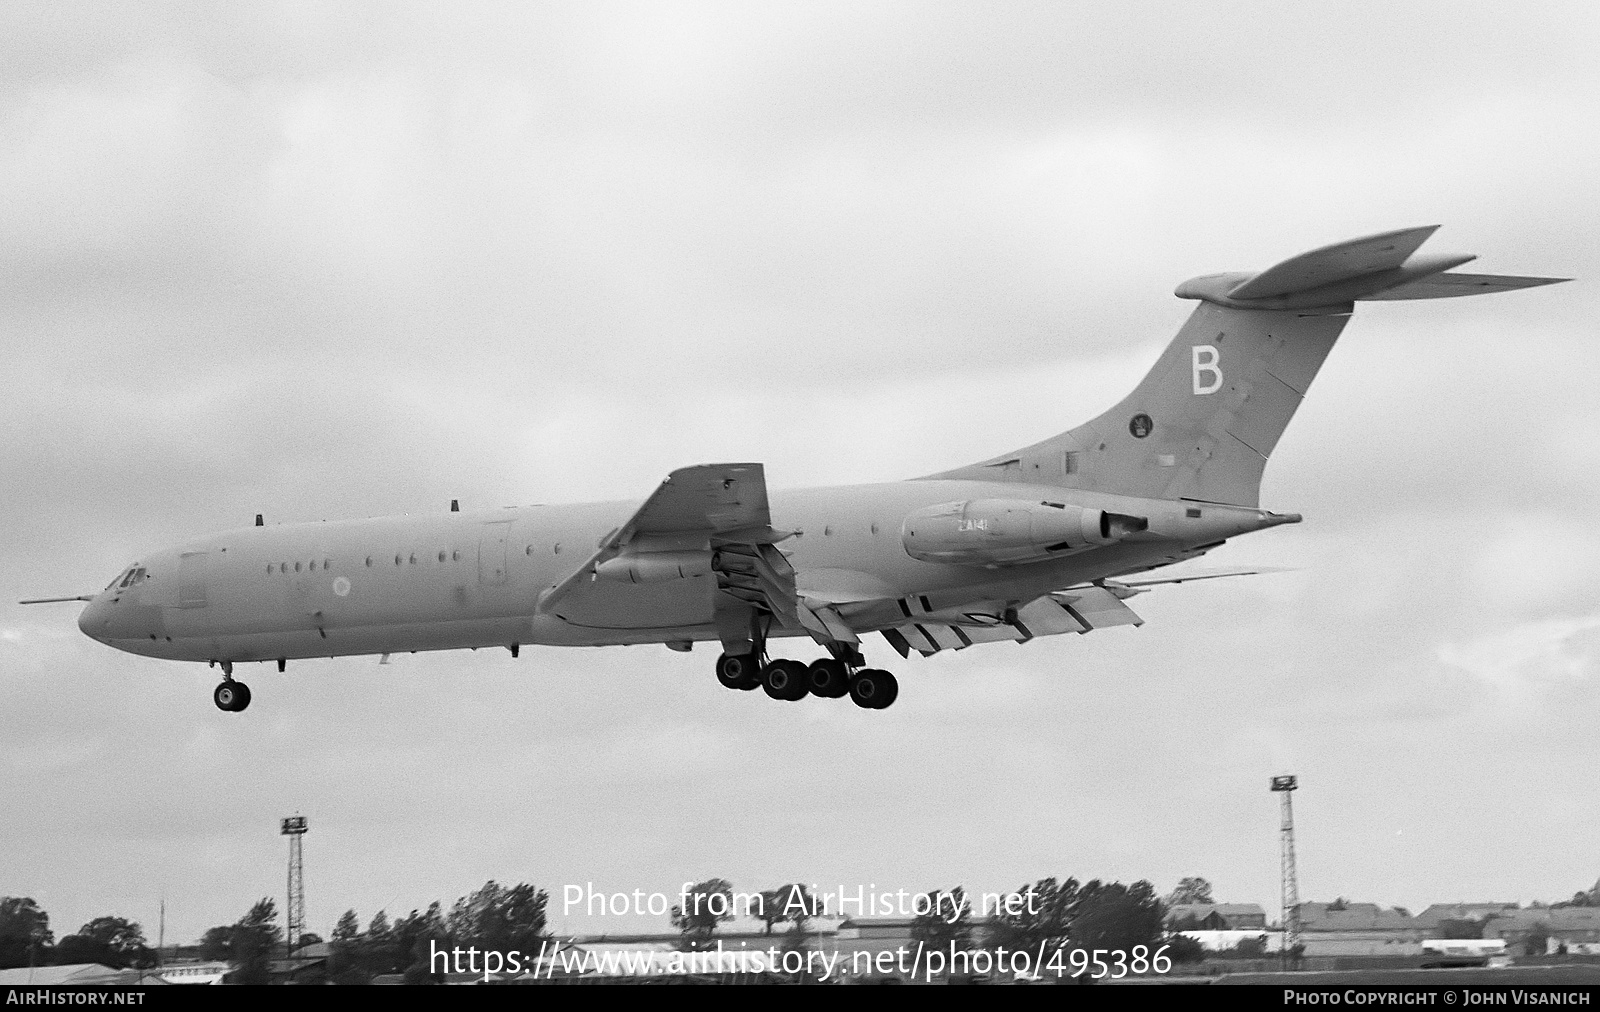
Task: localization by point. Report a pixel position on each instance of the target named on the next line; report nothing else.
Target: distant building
(1465, 947)
(1358, 929)
(76, 975)
(875, 927)
(1578, 928)
(1226, 941)
(1441, 915)
(194, 973)
(1216, 916)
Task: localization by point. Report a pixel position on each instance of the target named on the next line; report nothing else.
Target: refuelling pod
(654, 567)
(1009, 532)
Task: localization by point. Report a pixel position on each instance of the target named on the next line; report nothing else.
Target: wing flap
(1077, 611)
(1097, 608)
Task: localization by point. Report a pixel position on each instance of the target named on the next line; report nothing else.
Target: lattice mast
(1287, 785)
(294, 827)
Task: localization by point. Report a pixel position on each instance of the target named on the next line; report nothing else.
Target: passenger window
(441, 556)
(312, 565)
(327, 564)
(413, 560)
(369, 562)
(557, 548)
(455, 556)
(297, 567)
(397, 560)
(269, 569)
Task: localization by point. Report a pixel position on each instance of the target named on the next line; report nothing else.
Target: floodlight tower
(1287, 785)
(294, 827)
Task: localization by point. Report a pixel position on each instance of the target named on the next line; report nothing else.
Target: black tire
(872, 689)
(785, 680)
(738, 671)
(828, 678)
(231, 697)
(891, 690)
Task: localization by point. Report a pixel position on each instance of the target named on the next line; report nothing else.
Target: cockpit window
(127, 579)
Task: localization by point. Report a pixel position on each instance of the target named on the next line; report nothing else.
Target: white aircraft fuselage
(474, 579)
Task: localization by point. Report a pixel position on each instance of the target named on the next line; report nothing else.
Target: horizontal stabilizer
(1338, 262)
(1448, 286)
(1382, 266)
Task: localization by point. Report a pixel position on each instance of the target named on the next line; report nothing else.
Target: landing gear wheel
(738, 671)
(785, 680)
(828, 678)
(231, 697)
(872, 689)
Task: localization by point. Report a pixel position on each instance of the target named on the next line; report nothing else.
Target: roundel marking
(1140, 425)
(341, 586)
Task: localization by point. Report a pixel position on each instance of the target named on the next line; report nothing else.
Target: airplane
(1045, 540)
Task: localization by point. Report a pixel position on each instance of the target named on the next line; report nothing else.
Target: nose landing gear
(231, 696)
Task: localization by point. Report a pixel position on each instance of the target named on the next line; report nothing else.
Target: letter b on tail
(1207, 373)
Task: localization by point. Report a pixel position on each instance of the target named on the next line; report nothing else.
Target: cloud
(1531, 654)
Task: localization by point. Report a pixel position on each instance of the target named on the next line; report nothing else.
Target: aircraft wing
(720, 508)
(1079, 609)
(1190, 577)
(706, 498)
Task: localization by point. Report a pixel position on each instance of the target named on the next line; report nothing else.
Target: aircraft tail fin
(1204, 420)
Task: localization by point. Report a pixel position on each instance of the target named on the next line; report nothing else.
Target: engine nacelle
(1009, 532)
(654, 567)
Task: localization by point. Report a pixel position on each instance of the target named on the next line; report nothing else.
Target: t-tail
(1203, 422)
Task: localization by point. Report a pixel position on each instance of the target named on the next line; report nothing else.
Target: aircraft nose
(92, 622)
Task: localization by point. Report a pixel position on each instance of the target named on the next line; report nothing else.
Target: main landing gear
(829, 678)
(230, 696)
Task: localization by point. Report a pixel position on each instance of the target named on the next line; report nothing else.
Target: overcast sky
(331, 260)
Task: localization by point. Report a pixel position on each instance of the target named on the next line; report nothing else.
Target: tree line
(503, 918)
(26, 939)
(1053, 913)
(1050, 913)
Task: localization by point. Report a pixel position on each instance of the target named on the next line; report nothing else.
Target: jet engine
(1009, 532)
